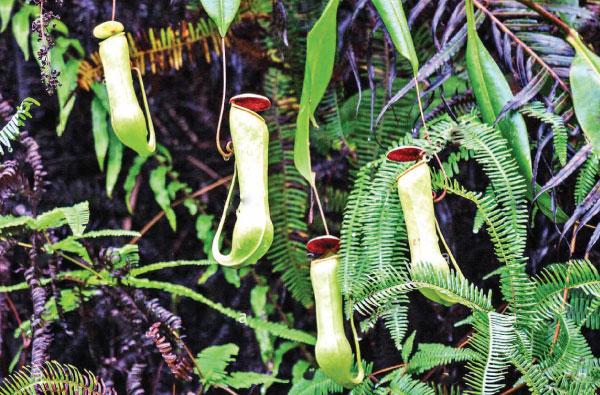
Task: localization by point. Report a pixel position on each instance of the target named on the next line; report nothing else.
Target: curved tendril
(360, 375)
(228, 152)
(151, 133)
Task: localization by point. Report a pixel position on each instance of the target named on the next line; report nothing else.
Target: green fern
(569, 353)
(396, 124)
(167, 265)
(384, 240)
(319, 384)
(395, 318)
(55, 378)
(10, 131)
(450, 284)
(288, 196)
(507, 208)
(213, 362)
(554, 279)
(586, 179)
(559, 130)
(521, 358)
(493, 340)
(351, 237)
(584, 309)
(404, 384)
(430, 355)
(76, 216)
(277, 329)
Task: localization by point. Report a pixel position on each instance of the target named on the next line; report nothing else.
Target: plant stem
(194, 195)
(321, 212)
(555, 20)
(513, 389)
(519, 42)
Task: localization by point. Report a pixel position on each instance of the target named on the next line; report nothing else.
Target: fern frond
(554, 279)
(491, 151)
(288, 197)
(532, 374)
(108, 233)
(453, 285)
(586, 179)
(138, 271)
(213, 362)
(395, 318)
(493, 340)
(384, 241)
(537, 110)
(10, 131)
(275, 328)
(330, 134)
(569, 353)
(319, 384)
(430, 355)
(516, 285)
(55, 378)
(351, 236)
(584, 310)
(450, 284)
(403, 383)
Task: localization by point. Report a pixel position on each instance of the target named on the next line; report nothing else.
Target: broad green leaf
(100, 130)
(20, 28)
(131, 178)
(66, 91)
(492, 92)
(232, 276)
(6, 7)
(320, 56)
(585, 88)
(158, 180)
(393, 17)
(115, 159)
(222, 12)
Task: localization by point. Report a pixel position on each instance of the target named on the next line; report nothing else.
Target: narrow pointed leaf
(584, 77)
(320, 56)
(6, 7)
(393, 17)
(492, 93)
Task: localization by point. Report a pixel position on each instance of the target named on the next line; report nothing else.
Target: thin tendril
(228, 152)
(426, 135)
(452, 259)
(114, 9)
(321, 212)
(361, 372)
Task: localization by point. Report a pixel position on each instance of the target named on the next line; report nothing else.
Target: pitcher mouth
(251, 101)
(323, 244)
(407, 153)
